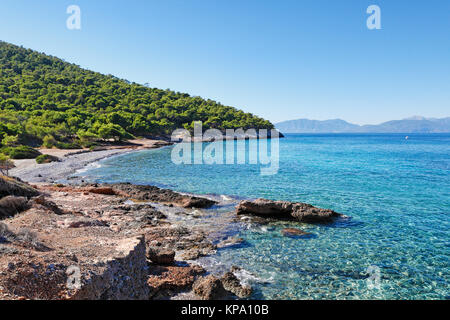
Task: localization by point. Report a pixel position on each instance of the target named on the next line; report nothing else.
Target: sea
(393, 241)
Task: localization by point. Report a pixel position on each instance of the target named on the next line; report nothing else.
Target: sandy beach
(73, 160)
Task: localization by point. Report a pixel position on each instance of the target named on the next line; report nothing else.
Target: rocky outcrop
(122, 277)
(155, 194)
(232, 284)
(285, 210)
(161, 255)
(46, 204)
(167, 281)
(209, 288)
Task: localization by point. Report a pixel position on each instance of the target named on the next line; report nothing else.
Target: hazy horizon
(363, 124)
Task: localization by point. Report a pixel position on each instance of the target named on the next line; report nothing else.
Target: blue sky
(279, 59)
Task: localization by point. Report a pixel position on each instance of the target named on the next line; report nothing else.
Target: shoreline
(167, 223)
(73, 160)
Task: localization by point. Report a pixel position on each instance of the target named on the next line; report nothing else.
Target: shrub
(46, 158)
(49, 142)
(20, 152)
(64, 145)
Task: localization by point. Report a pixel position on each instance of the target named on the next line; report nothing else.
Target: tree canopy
(47, 101)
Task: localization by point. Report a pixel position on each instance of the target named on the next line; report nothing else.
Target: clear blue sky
(278, 59)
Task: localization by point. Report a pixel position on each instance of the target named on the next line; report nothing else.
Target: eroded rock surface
(285, 210)
(155, 194)
(86, 243)
(209, 288)
(232, 284)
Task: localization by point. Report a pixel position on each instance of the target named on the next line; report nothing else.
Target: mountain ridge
(415, 124)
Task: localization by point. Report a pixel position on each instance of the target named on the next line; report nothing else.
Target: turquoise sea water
(395, 191)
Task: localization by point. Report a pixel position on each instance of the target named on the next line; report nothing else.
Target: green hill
(47, 101)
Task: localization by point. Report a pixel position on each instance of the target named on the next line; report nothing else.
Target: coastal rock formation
(155, 194)
(285, 210)
(161, 255)
(121, 277)
(209, 288)
(69, 243)
(167, 281)
(232, 284)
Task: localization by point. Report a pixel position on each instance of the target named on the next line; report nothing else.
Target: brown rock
(103, 190)
(155, 194)
(209, 288)
(41, 200)
(161, 255)
(167, 280)
(232, 284)
(286, 210)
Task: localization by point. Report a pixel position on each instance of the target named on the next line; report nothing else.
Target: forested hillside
(47, 101)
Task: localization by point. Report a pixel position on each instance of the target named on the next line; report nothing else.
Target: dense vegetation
(46, 101)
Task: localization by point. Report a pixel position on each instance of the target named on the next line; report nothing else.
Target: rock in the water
(209, 288)
(286, 210)
(292, 232)
(232, 284)
(161, 255)
(155, 194)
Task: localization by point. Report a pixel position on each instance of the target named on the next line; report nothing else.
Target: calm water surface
(396, 191)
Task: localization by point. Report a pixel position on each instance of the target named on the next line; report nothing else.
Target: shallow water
(395, 191)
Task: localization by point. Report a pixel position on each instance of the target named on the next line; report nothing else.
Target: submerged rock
(229, 242)
(286, 210)
(292, 232)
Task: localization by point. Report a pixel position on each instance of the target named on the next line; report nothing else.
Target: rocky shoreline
(92, 242)
(117, 241)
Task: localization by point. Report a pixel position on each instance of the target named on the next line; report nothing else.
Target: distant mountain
(315, 126)
(414, 124)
